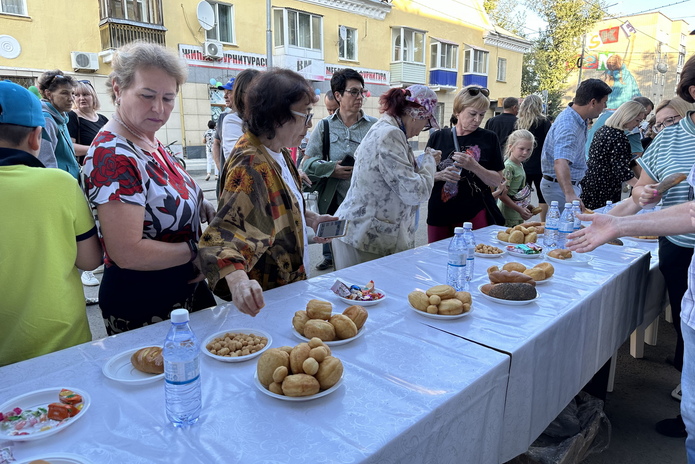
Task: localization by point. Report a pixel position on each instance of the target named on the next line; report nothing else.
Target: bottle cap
(179, 315)
(458, 230)
(609, 202)
(575, 202)
(553, 203)
(467, 225)
(567, 205)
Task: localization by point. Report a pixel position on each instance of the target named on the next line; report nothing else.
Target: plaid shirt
(566, 140)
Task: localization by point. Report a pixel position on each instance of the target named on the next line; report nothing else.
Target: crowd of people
(140, 213)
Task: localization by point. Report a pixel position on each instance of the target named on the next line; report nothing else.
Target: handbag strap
(457, 148)
(326, 141)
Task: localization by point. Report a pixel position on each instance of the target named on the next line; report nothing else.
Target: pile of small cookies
(441, 299)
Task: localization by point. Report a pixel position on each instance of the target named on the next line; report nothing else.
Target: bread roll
(514, 267)
(149, 360)
(320, 329)
(560, 254)
(451, 307)
(516, 237)
(344, 327)
(418, 300)
(358, 314)
(319, 309)
(443, 291)
(510, 276)
(535, 273)
(268, 362)
(300, 385)
(330, 371)
(548, 269)
(513, 291)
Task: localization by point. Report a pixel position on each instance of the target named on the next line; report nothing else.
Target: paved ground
(642, 387)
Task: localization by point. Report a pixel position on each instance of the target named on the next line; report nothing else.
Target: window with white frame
(476, 61)
(300, 29)
(444, 55)
(408, 45)
(502, 69)
(17, 7)
(224, 23)
(347, 45)
(144, 11)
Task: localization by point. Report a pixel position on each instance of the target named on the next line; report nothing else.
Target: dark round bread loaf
(513, 291)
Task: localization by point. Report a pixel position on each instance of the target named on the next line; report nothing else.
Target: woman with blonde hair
(84, 122)
(609, 157)
(149, 208)
(471, 164)
(532, 119)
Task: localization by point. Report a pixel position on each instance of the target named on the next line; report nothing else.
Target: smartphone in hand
(331, 229)
(349, 160)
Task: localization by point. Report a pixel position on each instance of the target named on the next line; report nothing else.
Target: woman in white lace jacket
(388, 184)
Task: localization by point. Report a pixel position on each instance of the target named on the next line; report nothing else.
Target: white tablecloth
(411, 393)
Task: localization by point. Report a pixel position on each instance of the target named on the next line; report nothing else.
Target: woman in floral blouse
(148, 207)
(257, 240)
(388, 184)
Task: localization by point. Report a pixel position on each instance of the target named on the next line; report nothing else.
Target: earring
(118, 102)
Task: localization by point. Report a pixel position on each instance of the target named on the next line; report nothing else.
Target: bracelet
(193, 246)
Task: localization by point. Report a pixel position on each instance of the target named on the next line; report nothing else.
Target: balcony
(403, 72)
(443, 78)
(117, 32)
(475, 79)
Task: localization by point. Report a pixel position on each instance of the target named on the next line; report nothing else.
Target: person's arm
(562, 174)
(523, 212)
(121, 227)
(627, 207)
(675, 220)
(313, 164)
(80, 150)
(216, 153)
(644, 192)
(89, 253)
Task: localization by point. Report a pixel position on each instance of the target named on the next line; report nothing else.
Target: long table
(477, 389)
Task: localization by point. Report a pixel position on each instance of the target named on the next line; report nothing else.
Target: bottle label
(181, 372)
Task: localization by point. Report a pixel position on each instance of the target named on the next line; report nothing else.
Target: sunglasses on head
(473, 91)
(85, 81)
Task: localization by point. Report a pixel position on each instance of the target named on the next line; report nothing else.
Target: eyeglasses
(53, 79)
(356, 92)
(473, 91)
(307, 116)
(666, 123)
(85, 81)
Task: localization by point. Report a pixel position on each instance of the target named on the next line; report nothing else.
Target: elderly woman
(531, 118)
(148, 207)
(57, 150)
(84, 122)
(609, 157)
(471, 163)
(257, 240)
(387, 184)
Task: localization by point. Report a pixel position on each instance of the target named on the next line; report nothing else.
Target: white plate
(42, 398)
(577, 259)
(58, 458)
(120, 369)
(441, 316)
(296, 398)
(637, 239)
(362, 303)
(238, 358)
(334, 342)
(509, 302)
(490, 255)
(523, 255)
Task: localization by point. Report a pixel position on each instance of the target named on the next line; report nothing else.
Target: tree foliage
(553, 56)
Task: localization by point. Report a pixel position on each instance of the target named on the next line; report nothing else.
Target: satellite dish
(206, 15)
(9, 47)
(662, 67)
(343, 32)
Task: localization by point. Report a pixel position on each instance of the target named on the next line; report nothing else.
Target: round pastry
(344, 327)
(514, 267)
(535, 273)
(319, 309)
(300, 385)
(330, 371)
(418, 300)
(148, 360)
(358, 314)
(300, 318)
(299, 354)
(443, 291)
(464, 297)
(319, 328)
(451, 307)
(548, 269)
(268, 362)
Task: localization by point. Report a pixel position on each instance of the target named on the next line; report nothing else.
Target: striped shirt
(566, 140)
(673, 151)
(688, 304)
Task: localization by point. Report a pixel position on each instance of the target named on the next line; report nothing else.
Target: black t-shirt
(539, 129)
(84, 130)
(469, 200)
(502, 125)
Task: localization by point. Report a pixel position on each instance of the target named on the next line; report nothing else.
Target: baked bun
(514, 267)
(148, 360)
(319, 309)
(547, 268)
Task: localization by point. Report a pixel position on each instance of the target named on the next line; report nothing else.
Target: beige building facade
(445, 44)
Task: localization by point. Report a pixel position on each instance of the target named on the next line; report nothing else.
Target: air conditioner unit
(213, 49)
(84, 61)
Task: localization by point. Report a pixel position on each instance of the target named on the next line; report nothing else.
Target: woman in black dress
(84, 122)
(609, 157)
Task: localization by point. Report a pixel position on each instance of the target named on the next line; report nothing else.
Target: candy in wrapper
(340, 289)
(525, 249)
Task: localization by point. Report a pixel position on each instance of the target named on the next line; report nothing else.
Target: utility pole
(269, 34)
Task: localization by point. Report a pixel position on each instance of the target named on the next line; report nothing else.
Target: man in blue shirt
(563, 161)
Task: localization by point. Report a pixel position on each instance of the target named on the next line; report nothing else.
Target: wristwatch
(193, 246)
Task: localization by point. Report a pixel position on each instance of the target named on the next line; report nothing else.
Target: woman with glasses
(471, 165)
(257, 240)
(84, 122)
(149, 209)
(388, 184)
(57, 150)
(609, 157)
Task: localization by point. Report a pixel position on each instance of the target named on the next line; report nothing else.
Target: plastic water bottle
(566, 226)
(469, 238)
(609, 206)
(181, 372)
(456, 266)
(576, 209)
(552, 222)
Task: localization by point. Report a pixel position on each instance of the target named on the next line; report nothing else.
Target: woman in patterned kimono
(257, 240)
(388, 184)
(148, 207)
